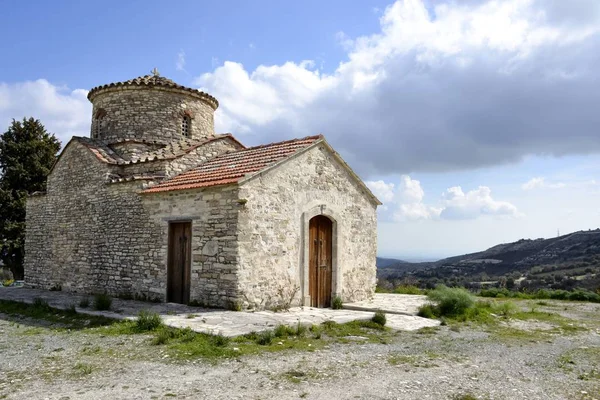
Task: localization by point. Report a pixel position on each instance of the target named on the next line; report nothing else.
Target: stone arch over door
(336, 275)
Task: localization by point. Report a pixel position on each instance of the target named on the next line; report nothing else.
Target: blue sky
(82, 43)
(474, 121)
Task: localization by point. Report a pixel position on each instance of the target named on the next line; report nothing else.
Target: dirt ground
(548, 358)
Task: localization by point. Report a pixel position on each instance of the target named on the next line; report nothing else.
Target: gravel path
(438, 363)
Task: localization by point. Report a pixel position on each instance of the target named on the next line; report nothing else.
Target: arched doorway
(320, 261)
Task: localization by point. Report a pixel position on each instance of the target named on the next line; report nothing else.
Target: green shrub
(543, 294)
(300, 329)
(220, 340)
(317, 331)
(505, 309)
(451, 302)
(408, 289)
(187, 335)
(72, 310)
(264, 338)
(8, 282)
(163, 336)
(85, 302)
(427, 311)
(148, 321)
(102, 302)
(379, 318)
(41, 304)
(337, 303)
(282, 331)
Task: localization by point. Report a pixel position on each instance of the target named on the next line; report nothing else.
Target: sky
(474, 122)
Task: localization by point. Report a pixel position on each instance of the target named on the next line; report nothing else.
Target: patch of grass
(84, 302)
(427, 311)
(220, 340)
(72, 309)
(407, 289)
(282, 331)
(264, 338)
(317, 331)
(102, 302)
(428, 330)
(148, 322)
(301, 329)
(337, 303)
(40, 310)
(505, 309)
(379, 318)
(83, 369)
(455, 305)
(163, 336)
(574, 295)
(297, 375)
(41, 304)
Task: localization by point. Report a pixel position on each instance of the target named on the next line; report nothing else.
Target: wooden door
(179, 262)
(320, 261)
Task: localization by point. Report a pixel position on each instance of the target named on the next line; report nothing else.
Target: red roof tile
(231, 167)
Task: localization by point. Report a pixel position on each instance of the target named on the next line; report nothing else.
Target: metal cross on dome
(155, 72)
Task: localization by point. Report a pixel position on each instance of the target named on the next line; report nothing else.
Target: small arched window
(97, 123)
(186, 126)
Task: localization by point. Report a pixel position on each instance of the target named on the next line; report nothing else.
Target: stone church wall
(213, 213)
(150, 114)
(88, 236)
(271, 231)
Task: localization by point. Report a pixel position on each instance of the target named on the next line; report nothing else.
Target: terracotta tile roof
(231, 167)
(153, 81)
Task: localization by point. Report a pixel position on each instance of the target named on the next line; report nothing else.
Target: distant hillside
(391, 266)
(573, 255)
(386, 262)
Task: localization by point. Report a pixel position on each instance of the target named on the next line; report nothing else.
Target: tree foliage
(27, 153)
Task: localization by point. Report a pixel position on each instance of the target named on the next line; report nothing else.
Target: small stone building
(155, 205)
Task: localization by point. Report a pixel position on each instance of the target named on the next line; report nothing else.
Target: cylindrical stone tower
(151, 109)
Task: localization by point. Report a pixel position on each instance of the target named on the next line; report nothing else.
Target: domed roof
(150, 81)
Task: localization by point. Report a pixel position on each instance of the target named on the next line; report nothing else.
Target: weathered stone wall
(271, 243)
(89, 236)
(149, 113)
(213, 213)
(62, 225)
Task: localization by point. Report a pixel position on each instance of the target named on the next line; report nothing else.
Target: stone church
(156, 205)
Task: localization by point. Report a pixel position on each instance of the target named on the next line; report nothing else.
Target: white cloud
(383, 191)
(180, 63)
(405, 202)
(458, 86)
(475, 203)
(540, 183)
(63, 112)
(344, 40)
